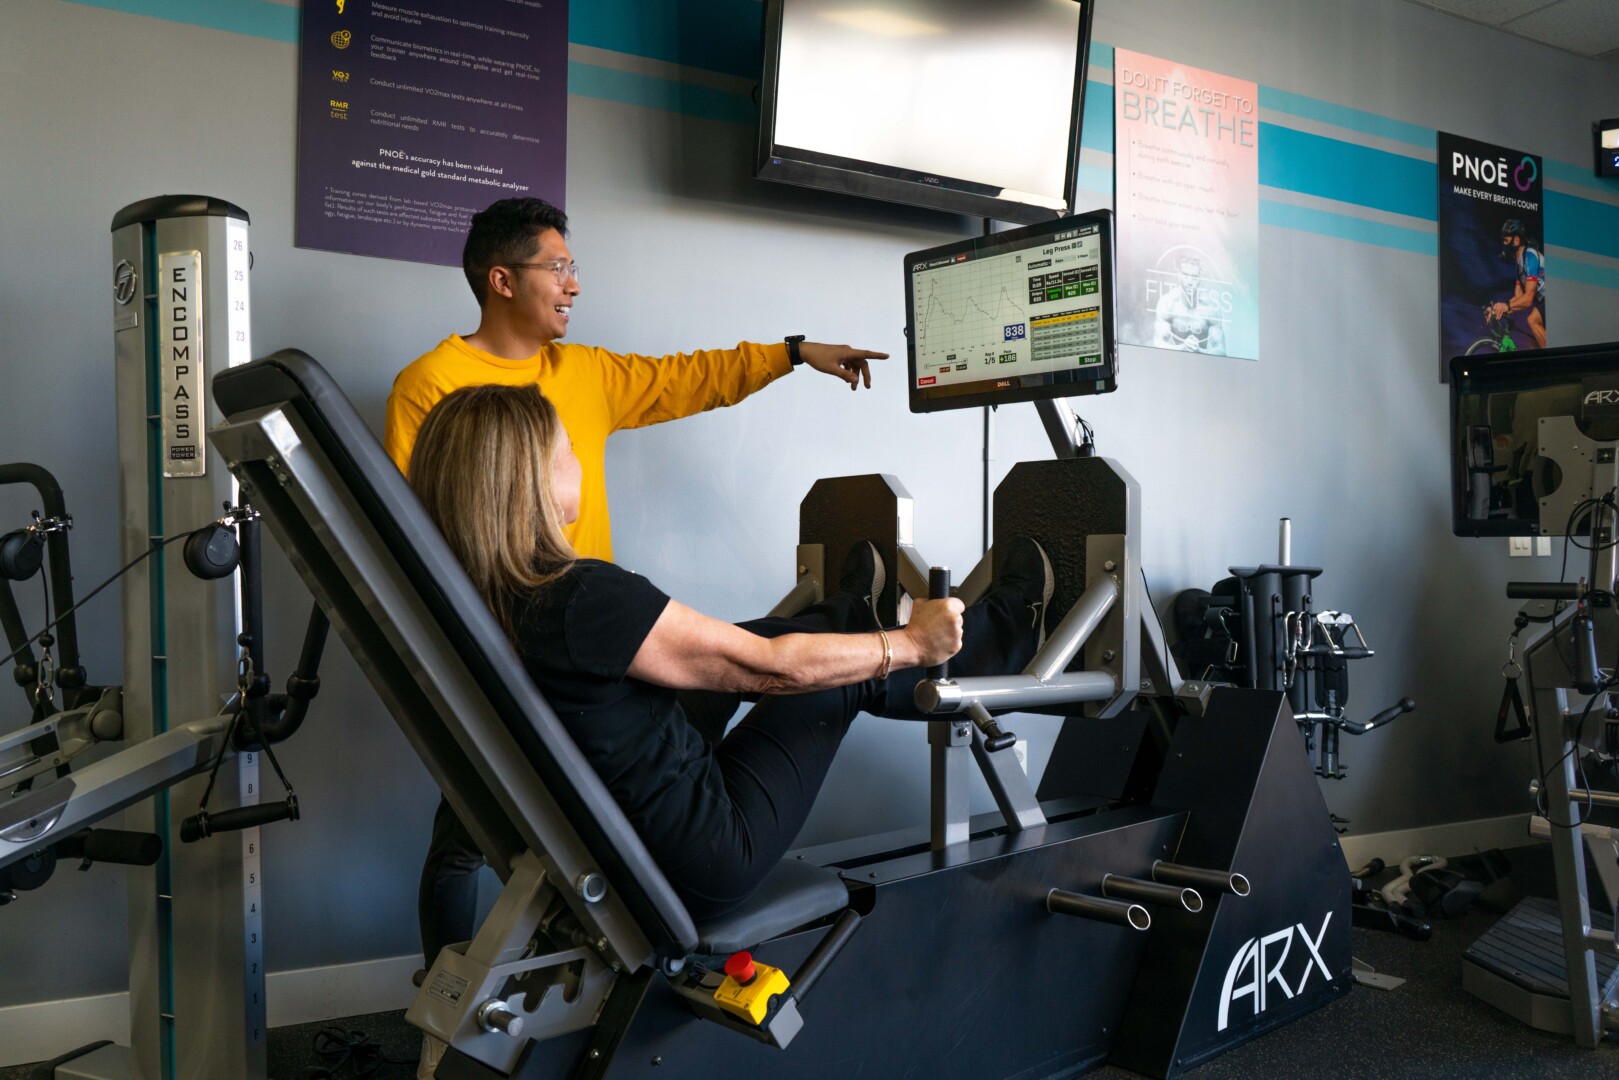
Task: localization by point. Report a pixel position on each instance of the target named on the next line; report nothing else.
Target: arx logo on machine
(1263, 962)
(1602, 397)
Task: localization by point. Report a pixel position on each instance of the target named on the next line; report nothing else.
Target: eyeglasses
(561, 268)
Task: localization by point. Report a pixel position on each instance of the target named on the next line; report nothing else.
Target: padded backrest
(294, 381)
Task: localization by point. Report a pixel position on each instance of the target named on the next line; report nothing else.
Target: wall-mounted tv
(1511, 473)
(957, 105)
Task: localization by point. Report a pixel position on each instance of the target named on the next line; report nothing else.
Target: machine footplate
(1517, 966)
(1525, 947)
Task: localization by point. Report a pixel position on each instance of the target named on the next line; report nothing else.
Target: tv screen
(1014, 316)
(1606, 136)
(958, 105)
(1501, 406)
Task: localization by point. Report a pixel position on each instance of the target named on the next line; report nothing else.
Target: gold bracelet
(888, 655)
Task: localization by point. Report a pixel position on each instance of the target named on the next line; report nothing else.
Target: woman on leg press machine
(495, 470)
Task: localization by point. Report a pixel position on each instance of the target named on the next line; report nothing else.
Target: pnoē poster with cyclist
(1492, 267)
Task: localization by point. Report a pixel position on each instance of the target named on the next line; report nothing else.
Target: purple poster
(414, 115)
(1492, 268)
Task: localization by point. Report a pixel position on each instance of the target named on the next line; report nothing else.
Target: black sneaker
(1026, 569)
(864, 574)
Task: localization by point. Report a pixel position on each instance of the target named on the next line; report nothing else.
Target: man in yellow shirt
(518, 264)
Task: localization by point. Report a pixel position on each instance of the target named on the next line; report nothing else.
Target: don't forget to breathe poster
(1186, 162)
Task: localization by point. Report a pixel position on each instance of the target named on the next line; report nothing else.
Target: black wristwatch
(793, 354)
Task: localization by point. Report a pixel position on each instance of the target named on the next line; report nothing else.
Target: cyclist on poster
(1529, 292)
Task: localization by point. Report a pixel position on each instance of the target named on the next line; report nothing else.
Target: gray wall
(1342, 425)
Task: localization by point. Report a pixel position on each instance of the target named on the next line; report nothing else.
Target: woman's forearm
(687, 650)
(800, 663)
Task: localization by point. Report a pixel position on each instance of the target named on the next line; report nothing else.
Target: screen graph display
(1015, 316)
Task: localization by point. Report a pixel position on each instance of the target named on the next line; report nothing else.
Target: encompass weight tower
(181, 313)
(196, 698)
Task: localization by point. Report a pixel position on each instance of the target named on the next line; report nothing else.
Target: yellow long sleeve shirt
(595, 392)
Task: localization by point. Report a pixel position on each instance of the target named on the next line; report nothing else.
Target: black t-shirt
(577, 637)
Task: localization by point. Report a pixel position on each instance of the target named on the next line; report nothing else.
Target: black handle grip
(825, 952)
(204, 825)
(1371, 869)
(1542, 590)
(1346, 652)
(112, 846)
(939, 589)
(1404, 706)
(283, 714)
(1587, 669)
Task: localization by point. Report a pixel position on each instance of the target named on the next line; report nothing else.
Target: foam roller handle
(1542, 590)
(939, 589)
(246, 817)
(112, 846)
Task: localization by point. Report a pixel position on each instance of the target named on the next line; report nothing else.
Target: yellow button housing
(752, 1001)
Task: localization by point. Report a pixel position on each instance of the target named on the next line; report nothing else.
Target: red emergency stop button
(740, 967)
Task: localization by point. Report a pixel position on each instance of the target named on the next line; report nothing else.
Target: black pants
(773, 764)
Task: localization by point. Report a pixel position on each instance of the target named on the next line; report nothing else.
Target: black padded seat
(794, 894)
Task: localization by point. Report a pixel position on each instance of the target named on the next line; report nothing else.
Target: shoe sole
(1051, 577)
(879, 579)
(1048, 591)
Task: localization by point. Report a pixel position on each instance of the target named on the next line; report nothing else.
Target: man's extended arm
(851, 365)
(643, 390)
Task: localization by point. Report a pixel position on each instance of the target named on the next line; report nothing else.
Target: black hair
(506, 232)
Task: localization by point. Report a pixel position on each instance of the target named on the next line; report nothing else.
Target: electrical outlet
(1543, 546)
(1518, 546)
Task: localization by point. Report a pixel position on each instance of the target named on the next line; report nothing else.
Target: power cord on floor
(340, 1049)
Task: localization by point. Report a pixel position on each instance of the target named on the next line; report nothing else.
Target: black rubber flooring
(1427, 1028)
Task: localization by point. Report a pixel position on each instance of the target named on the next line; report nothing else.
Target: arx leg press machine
(1174, 889)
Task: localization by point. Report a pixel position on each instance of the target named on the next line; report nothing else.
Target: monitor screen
(958, 105)
(1499, 481)
(1606, 133)
(1015, 316)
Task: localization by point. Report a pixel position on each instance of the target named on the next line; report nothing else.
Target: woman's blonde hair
(482, 468)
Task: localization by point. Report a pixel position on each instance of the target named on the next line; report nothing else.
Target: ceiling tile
(1490, 12)
(1583, 27)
